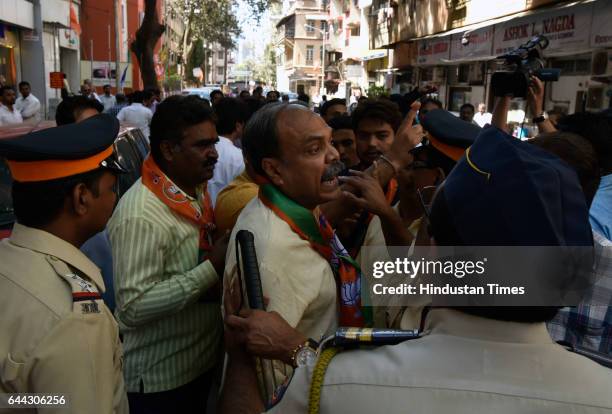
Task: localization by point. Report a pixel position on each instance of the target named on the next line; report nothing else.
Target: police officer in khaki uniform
(58, 337)
(470, 359)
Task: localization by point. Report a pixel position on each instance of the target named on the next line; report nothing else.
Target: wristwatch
(304, 354)
(541, 118)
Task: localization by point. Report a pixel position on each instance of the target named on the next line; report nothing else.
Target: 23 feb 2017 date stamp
(33, 400)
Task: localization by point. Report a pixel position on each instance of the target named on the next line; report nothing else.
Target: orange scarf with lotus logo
(171, 195)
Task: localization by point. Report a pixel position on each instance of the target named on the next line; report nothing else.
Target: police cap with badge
(63, 151)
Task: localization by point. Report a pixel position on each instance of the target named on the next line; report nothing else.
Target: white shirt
(466, 364)
(298, 281)
(229, 165)
(29, 108)
(516, 116)
(482, 119)
(8, 117)
(108, 101)
(138, 115)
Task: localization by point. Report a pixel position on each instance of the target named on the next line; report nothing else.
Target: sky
(253, 34)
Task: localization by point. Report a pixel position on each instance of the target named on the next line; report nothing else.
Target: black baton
(252, 280)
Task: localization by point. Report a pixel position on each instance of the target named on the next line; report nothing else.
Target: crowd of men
(315, 190)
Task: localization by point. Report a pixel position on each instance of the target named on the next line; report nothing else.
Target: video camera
(519, 65)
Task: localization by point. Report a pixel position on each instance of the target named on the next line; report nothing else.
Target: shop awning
(375, 55)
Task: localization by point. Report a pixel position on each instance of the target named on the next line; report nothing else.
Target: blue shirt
(601, 208)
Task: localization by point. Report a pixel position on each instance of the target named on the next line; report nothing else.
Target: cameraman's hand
(535, 100)
(428, 89)
(500, 113)
(535, 96)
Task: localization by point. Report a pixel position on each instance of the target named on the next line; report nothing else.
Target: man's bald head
(292, 148)
(261, 137)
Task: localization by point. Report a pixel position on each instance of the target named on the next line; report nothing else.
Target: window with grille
(309, 55)
(310, 26)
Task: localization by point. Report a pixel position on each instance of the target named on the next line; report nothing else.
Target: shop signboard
(68, 39)
(601, 29)
(568, 30)
(472, 45)
(433, 51)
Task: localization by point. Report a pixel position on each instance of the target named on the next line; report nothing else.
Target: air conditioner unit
(601, 63)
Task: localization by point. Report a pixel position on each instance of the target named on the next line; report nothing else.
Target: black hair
(467, 105)
(28, 197)
(444, 232)
(401, 102)
(172, 117)
(578, 153)
(258, 89)
(595, 128)
(120, 98)
(277, 93)
(381, 109)
(230, 111)
(434, 101)
(330, 103)
(216, 92)
(105, 86)
(68, 110)
(147, 95)
(23, 83)
(341, 122)
(244, 91)
(260, 137)
(136, 97)
(6, 88)
(154, 91)
(253, 105)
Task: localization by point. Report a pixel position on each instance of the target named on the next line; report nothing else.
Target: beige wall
(433, 16)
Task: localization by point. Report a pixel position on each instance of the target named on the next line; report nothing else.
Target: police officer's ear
(82, 199)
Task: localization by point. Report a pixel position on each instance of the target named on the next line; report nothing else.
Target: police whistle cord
(348, 338)
(247, 255)
(318, 376)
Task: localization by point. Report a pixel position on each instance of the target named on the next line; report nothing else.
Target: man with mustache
(290, 150)
(308, 277)
(166, 267)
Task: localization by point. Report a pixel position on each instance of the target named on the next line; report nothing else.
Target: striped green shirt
(169, 336)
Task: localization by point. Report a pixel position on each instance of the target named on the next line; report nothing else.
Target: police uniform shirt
(58, 337)
(466, 364)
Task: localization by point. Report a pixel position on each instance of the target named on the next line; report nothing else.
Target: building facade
(453, 45)
(300, 38)
(217, 70)
(37, 38)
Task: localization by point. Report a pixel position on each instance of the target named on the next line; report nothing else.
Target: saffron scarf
(172, 196)
(319, 233)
